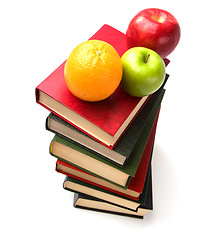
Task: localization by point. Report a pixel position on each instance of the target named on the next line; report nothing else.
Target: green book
(93, 163)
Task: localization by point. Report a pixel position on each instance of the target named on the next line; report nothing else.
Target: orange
(93, 70)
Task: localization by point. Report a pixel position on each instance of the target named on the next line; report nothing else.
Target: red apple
(155, 29)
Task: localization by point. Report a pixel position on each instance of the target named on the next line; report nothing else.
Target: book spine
(76, 197)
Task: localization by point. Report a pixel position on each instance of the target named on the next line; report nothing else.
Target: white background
(36, 37)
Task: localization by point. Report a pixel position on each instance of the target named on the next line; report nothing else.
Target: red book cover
(108, 115)
(136, 182)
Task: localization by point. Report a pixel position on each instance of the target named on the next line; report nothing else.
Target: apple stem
(146, 60)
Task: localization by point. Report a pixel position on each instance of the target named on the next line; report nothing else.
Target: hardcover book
(94, 204)
(94, 164)
(106, 120)
(136, 184)
(124, 147)
(90, 203)
(77, 186)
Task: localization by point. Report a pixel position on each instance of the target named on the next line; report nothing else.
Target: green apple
(143, 71)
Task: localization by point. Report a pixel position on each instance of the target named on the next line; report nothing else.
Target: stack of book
(104, 148)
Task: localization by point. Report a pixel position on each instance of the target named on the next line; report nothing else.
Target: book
(94, 204)
(106, 120)
(90, 203)
(124, 147)
(136, 184)
(77, 186)
(80, 157)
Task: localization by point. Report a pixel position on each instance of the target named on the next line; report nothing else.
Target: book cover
(90, 203)
(124, 147)
(94, 164)
(104, 121)
(136, 184)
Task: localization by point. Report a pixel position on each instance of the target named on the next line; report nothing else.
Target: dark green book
(122, 150)
(99, 194)
(86, 160)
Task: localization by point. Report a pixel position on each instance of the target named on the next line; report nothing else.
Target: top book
(105, 121)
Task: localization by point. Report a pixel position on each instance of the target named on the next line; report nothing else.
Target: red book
(136, 185)
(104, 121)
